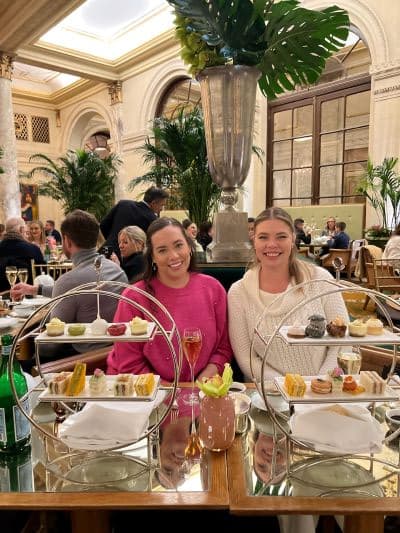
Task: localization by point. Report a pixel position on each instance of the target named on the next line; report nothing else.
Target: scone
(374, 326)
(357, 328)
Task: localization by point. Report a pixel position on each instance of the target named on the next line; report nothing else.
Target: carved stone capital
(386, 70)
(115, 92)
(6, 66)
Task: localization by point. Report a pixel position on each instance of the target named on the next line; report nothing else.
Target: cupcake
(336, 327)
(357, 328)
(374, 326)
(316, 326)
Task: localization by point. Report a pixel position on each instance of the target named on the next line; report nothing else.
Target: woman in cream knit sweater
(276, 270)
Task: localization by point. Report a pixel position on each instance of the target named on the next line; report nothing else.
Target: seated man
(340, 240)
(80, 232)
(16, 251)
(300, 233)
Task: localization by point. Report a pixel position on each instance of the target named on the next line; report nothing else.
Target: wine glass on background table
(11, 275)
(22, 275)
(191, 345)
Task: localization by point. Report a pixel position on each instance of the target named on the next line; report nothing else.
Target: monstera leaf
(288, 43)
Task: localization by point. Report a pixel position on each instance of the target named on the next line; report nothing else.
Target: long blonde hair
(299, 270)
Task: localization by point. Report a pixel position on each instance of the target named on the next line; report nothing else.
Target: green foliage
(178, 158)
(381, 185)
(288, 43)
(79, 180)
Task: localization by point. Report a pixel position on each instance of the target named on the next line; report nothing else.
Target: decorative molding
(6, 66)
(385, 70)
(387, 89)
(115, 92)
(58, 118)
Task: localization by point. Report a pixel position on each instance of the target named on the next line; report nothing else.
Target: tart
(374, 326)
(116, 329)
(349, 384)
(336, 327)
(296, 331)
(55, 327)
(357, 328)
(76, 329)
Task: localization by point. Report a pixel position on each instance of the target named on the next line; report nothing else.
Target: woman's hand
(114, 259)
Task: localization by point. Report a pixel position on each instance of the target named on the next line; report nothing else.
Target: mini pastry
(296, 331)
(374, 326)
(336, 327)
(99, 326)
(98, 382)
(78, 380)
(295, 385)
(321, 386)
(316, 327)
(76, 329)
(349, 384)
(335, 376)
(55, 327)
(59, 383)
(116, 329)
(144, 384)
(123, 385)
(357, 328)
(138, 326)
(372, 382)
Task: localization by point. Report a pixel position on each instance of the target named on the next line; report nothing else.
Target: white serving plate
(89, 337)
(387, 337)
(339, 396)
(108, 395)
(36, 301)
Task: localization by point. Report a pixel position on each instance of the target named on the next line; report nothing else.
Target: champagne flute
(11, 275)
(191, 345)
(22, 275)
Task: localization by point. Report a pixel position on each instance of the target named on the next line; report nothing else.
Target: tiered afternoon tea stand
(75, 467)
(300, 455)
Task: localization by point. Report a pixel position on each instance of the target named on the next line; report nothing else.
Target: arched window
(182, 93)
(318, 137)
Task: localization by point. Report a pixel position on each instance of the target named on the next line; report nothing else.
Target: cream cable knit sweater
(245, 307)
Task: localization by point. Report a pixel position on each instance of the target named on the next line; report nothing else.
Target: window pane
(282, 154)
(357, 109)
(352, 174)
(281, 203)
(332, 115)
(283, 125)
(331, 148)
(302, 201)
(301, 183)
(302, 152)
(303, 121)
(356, 144)
(330, 183)
(281, 187)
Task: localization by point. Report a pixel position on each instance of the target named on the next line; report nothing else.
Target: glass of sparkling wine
(191, 345)
(22, 275)
(11, 275)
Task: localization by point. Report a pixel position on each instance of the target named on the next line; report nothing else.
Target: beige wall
(142, 88)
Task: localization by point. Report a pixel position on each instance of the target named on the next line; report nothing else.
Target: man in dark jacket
(131, 213)
(16, 251)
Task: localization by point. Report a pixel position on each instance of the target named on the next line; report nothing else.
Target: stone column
(117, 130)
(10, 204)
(384, 140)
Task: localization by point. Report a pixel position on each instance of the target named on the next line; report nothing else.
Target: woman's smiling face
(273, 243)
(171, 254)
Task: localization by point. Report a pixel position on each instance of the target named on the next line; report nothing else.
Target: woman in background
(392, 248)
(36, 234)
(330, 228)
(131, 242)
(191, 231)
(204, 237)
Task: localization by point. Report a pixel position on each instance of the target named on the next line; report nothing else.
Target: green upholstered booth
(225, 273)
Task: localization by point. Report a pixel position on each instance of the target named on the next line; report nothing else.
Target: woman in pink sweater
(193, 299)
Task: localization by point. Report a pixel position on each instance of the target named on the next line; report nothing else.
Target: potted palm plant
(78, 180)
(230, 46)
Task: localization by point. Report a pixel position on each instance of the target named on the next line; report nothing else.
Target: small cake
(374, 326)
(99, 326)
(123, 385)
(296, 331)
(77, 381)
(138, 326)
(144, 384)
(76, 329)
(349, 384)
(295, 385)
(372, 382)
(98, 382)
(335, 376)
(55, 327)
(357, 328)
(336, 327)
(316, 326)
(59, 383)
(116, 330)
(321, 386)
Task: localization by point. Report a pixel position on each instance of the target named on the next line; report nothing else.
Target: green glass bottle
(14, 426)
(16, 473)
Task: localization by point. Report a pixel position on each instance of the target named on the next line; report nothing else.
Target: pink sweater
(201, 303)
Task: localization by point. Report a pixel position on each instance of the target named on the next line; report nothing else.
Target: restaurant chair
(376, 358)
(345, 255)
(55, 270)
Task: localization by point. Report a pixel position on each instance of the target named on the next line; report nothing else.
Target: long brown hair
(298, 269)
(157, 225)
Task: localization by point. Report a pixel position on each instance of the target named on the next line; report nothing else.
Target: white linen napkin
(103, 425)
(332, 432)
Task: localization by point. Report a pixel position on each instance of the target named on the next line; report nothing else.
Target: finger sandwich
(372, 382)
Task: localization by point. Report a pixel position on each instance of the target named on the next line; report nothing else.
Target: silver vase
(228, 96)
